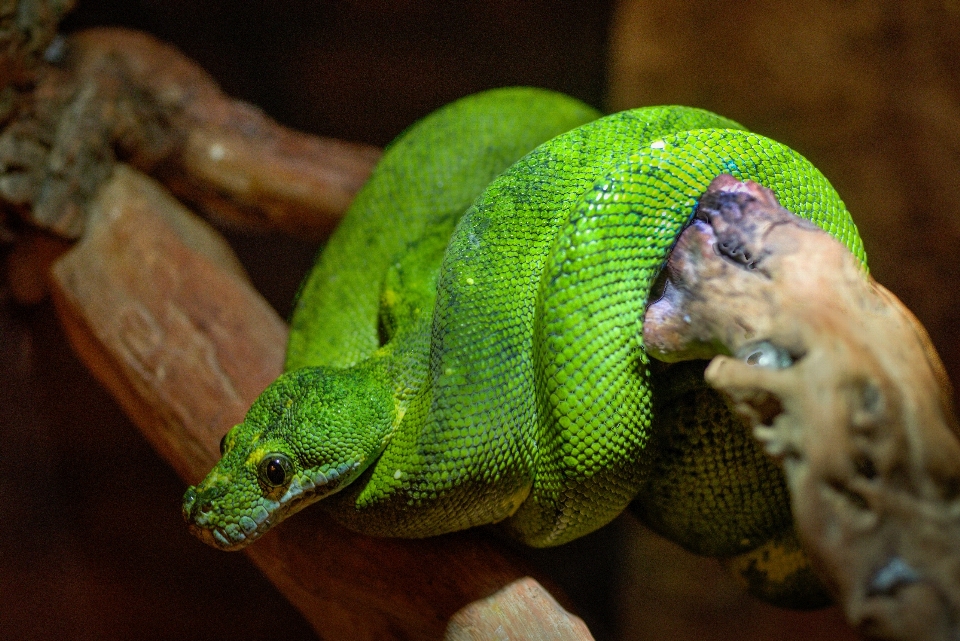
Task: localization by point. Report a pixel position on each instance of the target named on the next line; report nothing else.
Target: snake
(467, 349)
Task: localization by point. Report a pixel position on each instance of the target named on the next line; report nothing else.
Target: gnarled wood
(27, 28)
(117, 93)
(841, 385)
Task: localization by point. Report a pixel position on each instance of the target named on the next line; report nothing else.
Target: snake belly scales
(467, 349)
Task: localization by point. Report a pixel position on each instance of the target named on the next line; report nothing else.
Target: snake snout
(189, 499)
(197, 504)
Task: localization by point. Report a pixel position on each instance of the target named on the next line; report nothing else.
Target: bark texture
(841, 384)
(119, 95)
(161, 312)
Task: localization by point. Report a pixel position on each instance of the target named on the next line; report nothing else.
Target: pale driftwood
(157, 307)
(120, 92)
(498, 617)
(841, 384)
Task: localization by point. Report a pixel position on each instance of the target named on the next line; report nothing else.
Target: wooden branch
(842, 385)
(27, 28)
(157, 306)
(120, 93)
(498, 617)
(28, 264)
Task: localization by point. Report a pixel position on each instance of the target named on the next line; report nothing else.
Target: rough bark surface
(27, 29)
(841, 384)
(868, 91)
(847, 393)
(116, 94)
(157, 306)
(510, 621)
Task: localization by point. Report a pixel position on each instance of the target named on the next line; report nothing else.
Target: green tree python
(468, 350)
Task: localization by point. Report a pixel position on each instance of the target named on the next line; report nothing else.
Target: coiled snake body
(468, 348)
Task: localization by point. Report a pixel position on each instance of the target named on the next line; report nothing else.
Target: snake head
(309, 434)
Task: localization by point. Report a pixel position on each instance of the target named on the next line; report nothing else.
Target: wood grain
(158, 309)
(117, 93)
(841, 384)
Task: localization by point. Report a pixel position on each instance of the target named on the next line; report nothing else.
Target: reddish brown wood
(156, 305)
(123, 93)
(29, 262)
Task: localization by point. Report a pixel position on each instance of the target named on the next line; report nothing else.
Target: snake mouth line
(265, 514)
(235, 536)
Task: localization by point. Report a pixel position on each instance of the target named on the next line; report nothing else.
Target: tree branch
(842, 385)
(849, 394)
(120, 94)
(158, 308)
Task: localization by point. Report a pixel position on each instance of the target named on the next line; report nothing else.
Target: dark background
(93, 546)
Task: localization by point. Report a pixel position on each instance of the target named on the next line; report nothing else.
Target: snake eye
(275, 469)
(223, 444)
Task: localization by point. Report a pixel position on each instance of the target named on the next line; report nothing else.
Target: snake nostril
(189, 498)
(196, 504)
